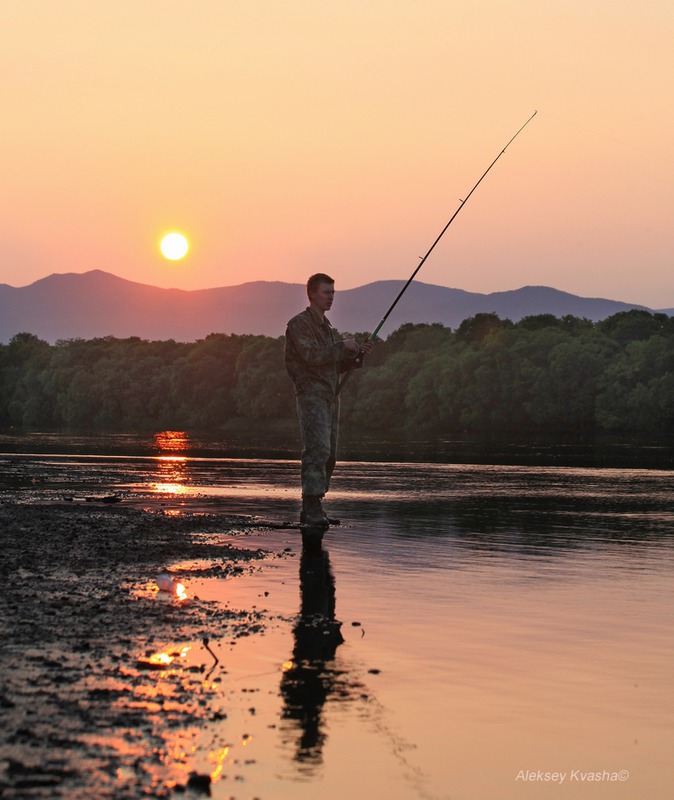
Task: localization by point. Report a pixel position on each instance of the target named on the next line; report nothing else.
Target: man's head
(321, 291)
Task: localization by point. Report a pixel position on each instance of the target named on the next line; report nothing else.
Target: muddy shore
(84, 631)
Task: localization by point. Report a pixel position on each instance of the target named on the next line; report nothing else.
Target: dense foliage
(542, 374)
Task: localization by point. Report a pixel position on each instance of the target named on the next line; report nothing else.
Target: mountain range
(96, 303)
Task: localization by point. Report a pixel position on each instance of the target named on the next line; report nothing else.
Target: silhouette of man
(314, 358)
(312, 678)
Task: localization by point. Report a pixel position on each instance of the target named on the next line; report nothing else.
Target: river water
(507, 631)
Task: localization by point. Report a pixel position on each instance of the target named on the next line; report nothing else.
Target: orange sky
(286, 138)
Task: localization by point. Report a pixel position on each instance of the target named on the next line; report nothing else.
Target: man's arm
(302, 340)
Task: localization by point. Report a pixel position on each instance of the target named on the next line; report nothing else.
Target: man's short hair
(315, 281)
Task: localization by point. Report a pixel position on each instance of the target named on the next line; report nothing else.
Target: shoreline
(84, 633)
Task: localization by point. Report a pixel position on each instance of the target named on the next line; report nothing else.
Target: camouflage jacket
(314, 355)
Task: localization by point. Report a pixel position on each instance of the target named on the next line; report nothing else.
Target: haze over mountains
(97, 303)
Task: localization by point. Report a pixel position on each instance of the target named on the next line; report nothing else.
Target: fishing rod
(359, 358)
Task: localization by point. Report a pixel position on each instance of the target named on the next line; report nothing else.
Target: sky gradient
(288, 138)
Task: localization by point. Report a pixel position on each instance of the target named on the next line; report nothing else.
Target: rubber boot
(303, 515)
(312, 512)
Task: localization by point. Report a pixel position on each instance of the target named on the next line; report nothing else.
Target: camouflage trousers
(319, 428)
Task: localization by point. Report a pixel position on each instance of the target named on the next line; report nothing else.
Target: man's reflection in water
(313, 678)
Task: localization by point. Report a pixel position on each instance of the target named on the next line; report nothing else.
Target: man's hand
(367, 346)
(364, 348)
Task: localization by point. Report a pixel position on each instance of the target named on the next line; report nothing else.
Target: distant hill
(96, 303)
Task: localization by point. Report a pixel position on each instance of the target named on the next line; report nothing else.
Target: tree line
(542, 374)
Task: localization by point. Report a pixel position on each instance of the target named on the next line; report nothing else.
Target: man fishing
(314, 357)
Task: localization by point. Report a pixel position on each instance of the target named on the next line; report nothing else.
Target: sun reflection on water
(167, 441)
(172, 469)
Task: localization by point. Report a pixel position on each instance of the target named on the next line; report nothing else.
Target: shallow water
(514, 633)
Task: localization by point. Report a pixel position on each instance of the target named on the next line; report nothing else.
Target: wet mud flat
(85, 634)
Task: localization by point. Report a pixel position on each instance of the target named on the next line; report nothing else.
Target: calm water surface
(514, 633)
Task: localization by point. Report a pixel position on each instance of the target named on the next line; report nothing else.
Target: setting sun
(174, 246)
